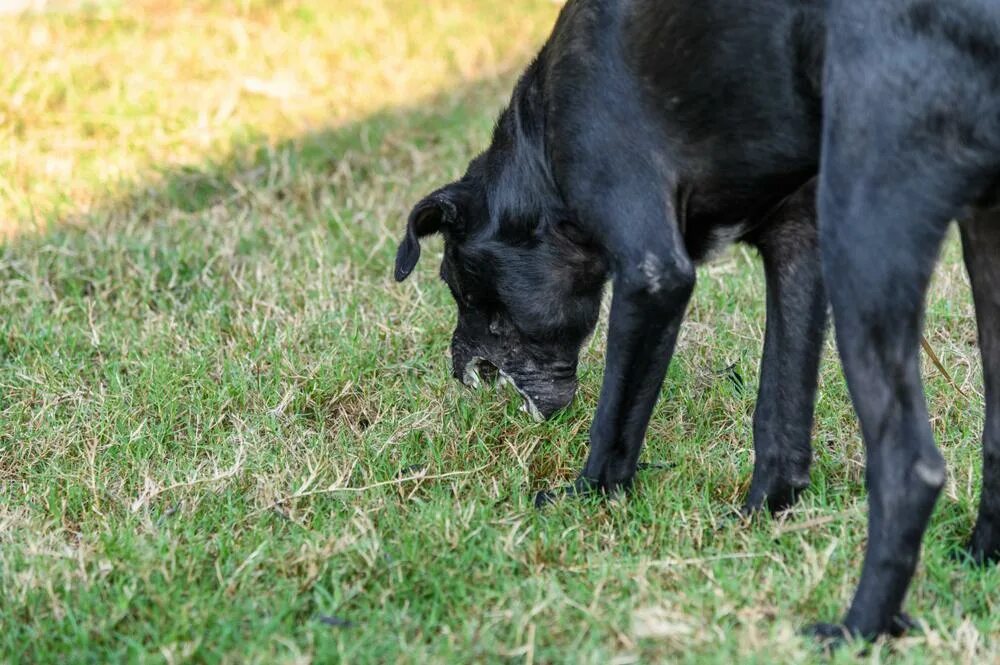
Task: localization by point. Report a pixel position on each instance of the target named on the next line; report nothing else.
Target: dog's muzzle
(543, 396)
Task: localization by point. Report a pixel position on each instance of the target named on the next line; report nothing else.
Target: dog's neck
(523, 189)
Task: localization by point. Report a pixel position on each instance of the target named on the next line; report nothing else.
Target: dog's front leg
(653, 281)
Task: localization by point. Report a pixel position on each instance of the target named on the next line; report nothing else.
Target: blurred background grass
(99, 97)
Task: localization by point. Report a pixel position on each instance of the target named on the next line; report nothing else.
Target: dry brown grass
(227, 436)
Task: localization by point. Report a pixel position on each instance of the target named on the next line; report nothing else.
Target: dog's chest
(712, 219)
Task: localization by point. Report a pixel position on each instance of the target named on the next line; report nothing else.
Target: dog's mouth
(479, 371)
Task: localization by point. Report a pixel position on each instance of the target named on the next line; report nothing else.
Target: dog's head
(526, 282)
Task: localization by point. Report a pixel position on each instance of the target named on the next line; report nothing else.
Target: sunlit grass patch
(96, 97)
(227, 435)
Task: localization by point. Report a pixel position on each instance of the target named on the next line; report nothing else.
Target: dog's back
(727, 93)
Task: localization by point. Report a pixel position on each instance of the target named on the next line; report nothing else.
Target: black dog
(645, 133)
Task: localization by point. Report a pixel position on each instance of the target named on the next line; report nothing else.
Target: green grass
(222, 422)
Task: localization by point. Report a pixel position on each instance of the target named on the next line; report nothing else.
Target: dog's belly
(722, 213)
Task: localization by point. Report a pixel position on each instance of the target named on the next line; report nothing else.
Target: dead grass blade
(929, 350)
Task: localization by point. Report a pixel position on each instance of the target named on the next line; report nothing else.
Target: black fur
(645, 133)
(911, 140)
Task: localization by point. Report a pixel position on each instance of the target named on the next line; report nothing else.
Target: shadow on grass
(438, 127)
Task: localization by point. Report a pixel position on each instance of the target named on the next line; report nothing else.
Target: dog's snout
(476, 371)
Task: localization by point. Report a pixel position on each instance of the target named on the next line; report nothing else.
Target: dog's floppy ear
(434, 212)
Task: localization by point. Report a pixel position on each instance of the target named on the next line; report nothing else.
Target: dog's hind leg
(981, 244)
(879, 247)
(905, 150)
(883, 214)
(796, 322)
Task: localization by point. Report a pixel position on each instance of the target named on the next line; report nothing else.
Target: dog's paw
(832, 636)
(546, 498)
(776, 495)
(829, 636)
(586, 487)
(582, 487)
(902, 624)
(748, 511)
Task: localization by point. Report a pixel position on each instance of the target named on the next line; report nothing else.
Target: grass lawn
(227, 436)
